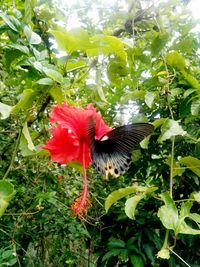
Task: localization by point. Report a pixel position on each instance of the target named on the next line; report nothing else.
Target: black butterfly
(112, 153)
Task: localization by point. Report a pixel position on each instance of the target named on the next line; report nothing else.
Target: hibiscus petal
(101, 127)
(63, 146)
(76, 119)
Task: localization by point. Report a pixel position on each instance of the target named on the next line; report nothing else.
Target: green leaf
(133, 95)
(168, 213)
(25, 102)
(6, 194)
(117, 195)
(122, 192)
(195, 217)
(70, 41)
(106, 44)
(147, 190)
(110, 254)
(192, 163)
(185, 107)
(124, 255)
(78, 39)
(45, 81)
(149, 98)
(71, 66)
(7, 254)
(159, 122)
(116, 70)
(186, 229)
(12, 22)
(185, 209)
(170, 128)
(185, 45)
(26, 134)
(170, 218)
(32, 37)
(24, 49)
(177, 169)
(100, 92)
(37, 65)
(145, 142)
(12, 35)
(27, 11)
(137, 54)
(99, 88)
(57, 94)
(23, 146)
(111, 44)
(159, 42)
(196, 196)
(188, 92)
(168, 200)
(136, 261)
(195, 107)
(35, 38)
(176, 60)
(27, 32)
(191, 80)
(183, 227)
(46, 196)
(116, 243)
(131, 204)
(12, 261)
(4, 111)
(53, 74)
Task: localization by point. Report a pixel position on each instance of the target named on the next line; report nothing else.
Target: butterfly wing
(112, 153)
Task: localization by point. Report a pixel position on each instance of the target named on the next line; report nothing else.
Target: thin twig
(179, 257)
(22, 214)
(14, 153)
(184, 200)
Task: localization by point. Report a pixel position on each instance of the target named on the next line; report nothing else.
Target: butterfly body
(112, 153)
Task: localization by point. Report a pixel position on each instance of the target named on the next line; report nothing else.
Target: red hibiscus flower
(70, 140)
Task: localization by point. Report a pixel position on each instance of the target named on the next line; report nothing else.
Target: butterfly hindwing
(112, 153)
(114, 164)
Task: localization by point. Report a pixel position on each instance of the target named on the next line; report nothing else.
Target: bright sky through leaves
(193, 5)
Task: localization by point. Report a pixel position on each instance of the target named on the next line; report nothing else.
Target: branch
(14, 153)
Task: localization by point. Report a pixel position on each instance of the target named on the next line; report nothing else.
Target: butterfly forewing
(112, 153)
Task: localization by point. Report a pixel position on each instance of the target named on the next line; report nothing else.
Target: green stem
(171, 167)
(184, 200)
(14, 153)
(173, 143)
(165, 244)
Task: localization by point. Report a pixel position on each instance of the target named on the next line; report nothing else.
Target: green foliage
(173, 220)
(134, 65)
(132, 202)
(169, 129)
(8, 257)
(192, 163)
(6, 194)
